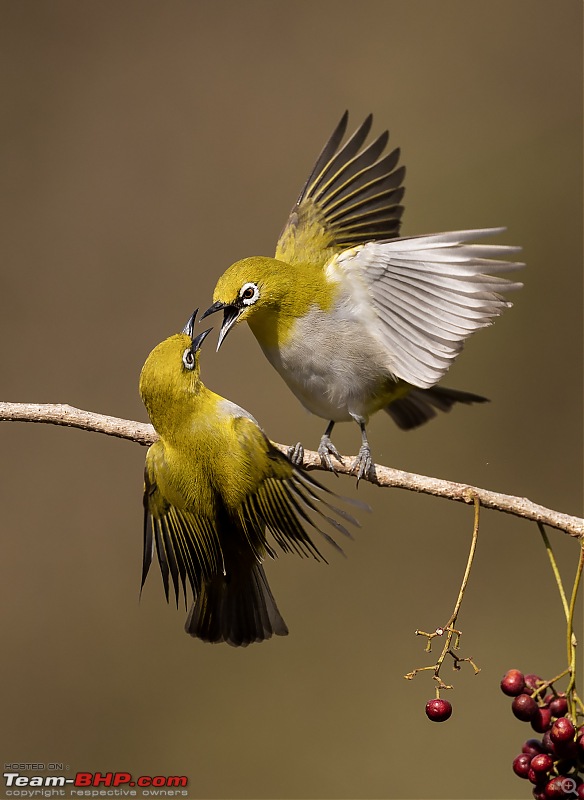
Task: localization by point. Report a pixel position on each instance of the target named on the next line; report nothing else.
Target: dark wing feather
(148, 549)
(187, 546)
(352, 196)
(288, 504)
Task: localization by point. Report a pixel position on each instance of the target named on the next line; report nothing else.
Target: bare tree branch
(142, 433)
(62, 414)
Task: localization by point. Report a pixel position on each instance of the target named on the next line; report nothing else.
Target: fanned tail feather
(236, 608)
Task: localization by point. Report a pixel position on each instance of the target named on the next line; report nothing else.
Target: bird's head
(248, 288)
(171, 371)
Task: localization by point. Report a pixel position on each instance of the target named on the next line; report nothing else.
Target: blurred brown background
(147, 145)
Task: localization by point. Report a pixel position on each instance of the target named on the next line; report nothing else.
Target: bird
(355, 318)
(214, 486)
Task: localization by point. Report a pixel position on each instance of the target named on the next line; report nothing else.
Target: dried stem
(475, 535)
(61, 414)
(449, 629)
(573, 699)
(570, 637)
(555, 569)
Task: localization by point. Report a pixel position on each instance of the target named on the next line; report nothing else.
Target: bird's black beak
(189, 328)
(198, 340)
(212, 309)
(230, 315)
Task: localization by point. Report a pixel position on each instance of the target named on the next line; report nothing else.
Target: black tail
(238, 608)
(419, 405)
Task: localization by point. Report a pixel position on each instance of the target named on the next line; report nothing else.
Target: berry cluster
(554, 762)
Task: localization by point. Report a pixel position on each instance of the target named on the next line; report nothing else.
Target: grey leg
(363, 461)
(326, 448)
(296, 454)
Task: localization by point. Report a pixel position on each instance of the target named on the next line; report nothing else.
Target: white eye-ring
(188, 358)
(249, 293)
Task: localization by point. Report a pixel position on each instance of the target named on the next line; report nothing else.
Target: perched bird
(213, 486)
(354, 318)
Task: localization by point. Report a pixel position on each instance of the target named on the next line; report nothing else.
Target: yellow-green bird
(214, 486)
(354, 318)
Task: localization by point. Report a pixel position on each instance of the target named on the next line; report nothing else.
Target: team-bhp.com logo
(14, 781)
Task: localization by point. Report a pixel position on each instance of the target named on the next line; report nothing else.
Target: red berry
(566, 751)
(539, 793)
(537, 777)
(524, 707)
(542, 763)
(559, 706)
(555, 788)
(531, 683)
(563, 786)
(512, 683)
(438, 710)
(542, 720)
(580, 792)
(533, 747)
(580, 744)
(521, 765)
(562, 730)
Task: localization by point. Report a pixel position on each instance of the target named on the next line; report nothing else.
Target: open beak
(230, 315)
(189, 329)
(198, 340)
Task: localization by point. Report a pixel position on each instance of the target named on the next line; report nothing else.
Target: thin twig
(555, 569)
(570, 639)
(449, 627)
(469, 562)
(61, 414)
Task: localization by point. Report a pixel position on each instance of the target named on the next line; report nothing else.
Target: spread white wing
(423, 296)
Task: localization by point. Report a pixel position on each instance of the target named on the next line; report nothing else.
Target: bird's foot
(326, 449)
(363, 463)
(296, 454)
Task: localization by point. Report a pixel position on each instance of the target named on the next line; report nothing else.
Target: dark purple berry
(512, 683)
(566, 751)
(438, 710)
(533, 747)
(559, 706)
(542, 720)
(547, 744)
(521, 765)
(562, 730)
(524, 707)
